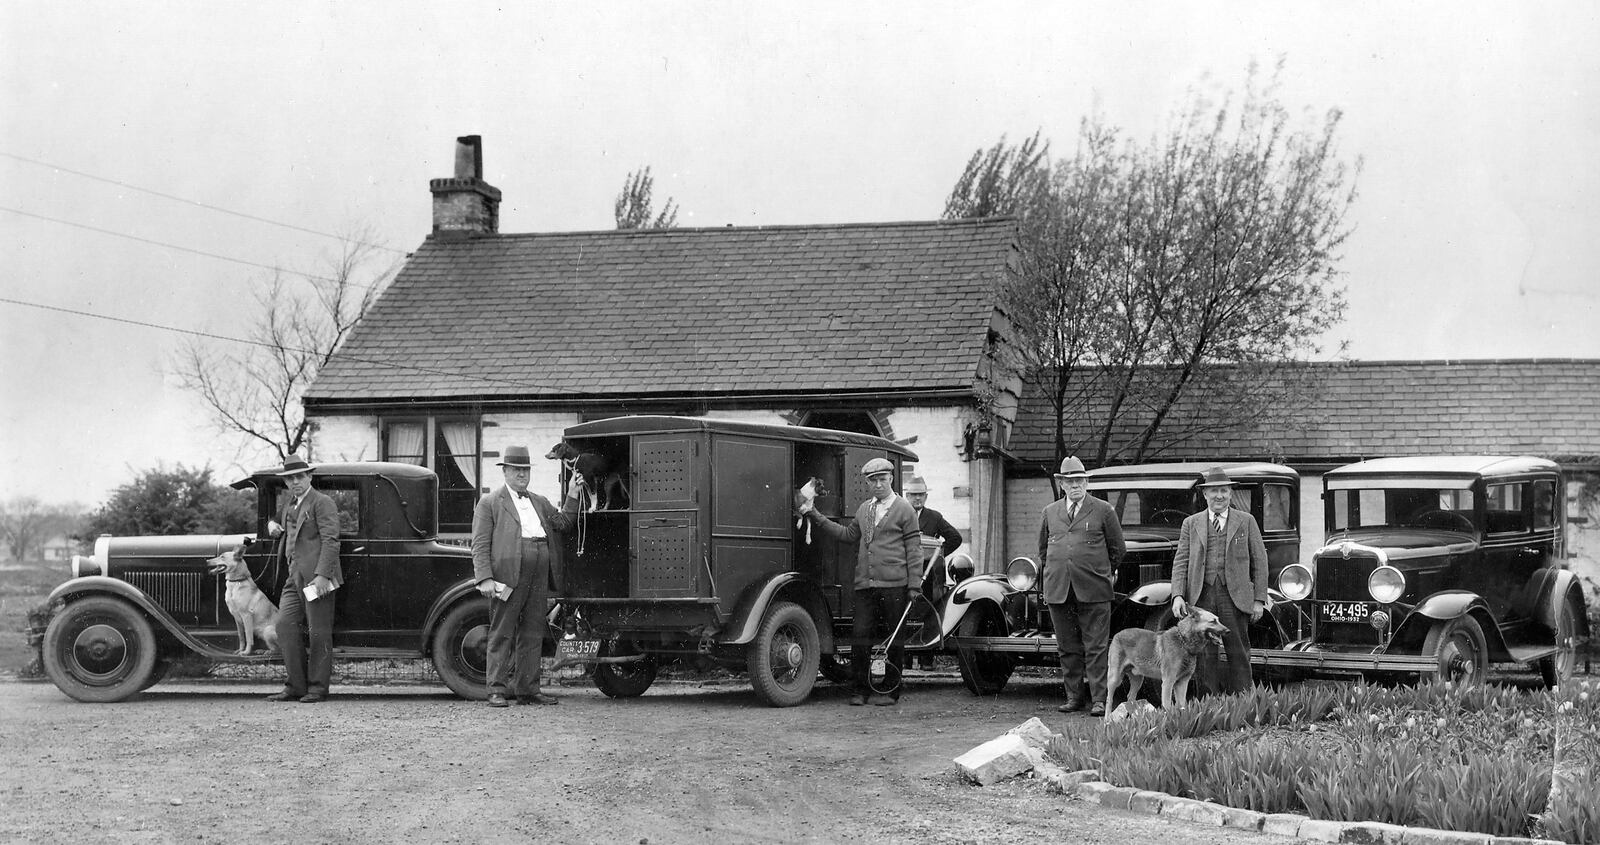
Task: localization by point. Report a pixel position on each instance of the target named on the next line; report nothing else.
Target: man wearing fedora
(1221, 566)
(517, 563)
(1080, 546)
(888, 571)
(310, 539)
(932, 524)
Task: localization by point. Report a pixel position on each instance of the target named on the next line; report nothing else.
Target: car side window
(349, 505)
(1275, 507)
(1504, 512)
(1544, 504)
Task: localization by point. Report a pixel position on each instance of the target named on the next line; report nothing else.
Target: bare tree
(27, 523)
(1148, 269)
(254, 389)
(634, 206)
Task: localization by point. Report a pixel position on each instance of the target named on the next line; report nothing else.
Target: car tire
(783, 658)
(1457, 645)
(461, 649)
(100, 649)
(983, 673)
(1558, 668)
(624, 680)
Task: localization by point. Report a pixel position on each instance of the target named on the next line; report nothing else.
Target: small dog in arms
(254, 615)
(805, 499)
(1170, 655)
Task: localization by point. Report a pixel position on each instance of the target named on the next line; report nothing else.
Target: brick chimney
(464, 205)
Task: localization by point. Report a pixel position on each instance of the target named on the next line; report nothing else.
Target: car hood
(203, 545)
(1404, 543)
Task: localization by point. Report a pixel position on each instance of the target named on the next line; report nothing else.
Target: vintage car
(1441, 567)
(997, 621)
(701, 558)
(707, 561)
(138, 603)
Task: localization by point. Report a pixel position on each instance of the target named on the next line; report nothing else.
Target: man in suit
(932, 524)
(888, 570)
(517, 563)
(1221, 566)
(310, 532)
(1080, 545)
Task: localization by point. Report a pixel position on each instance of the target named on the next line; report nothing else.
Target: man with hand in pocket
(517, 563)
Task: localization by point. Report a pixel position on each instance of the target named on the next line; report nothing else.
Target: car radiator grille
(178, 592)
(1340, 579)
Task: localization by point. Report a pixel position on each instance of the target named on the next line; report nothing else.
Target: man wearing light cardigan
(888, 569)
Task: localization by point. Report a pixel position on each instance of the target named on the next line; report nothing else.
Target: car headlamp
(1022, 573)
(957, 568)
(1386, 584)
(1294, 582)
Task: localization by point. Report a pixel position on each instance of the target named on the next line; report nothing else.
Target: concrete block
(1000, 758)
(1519, 840)
(1373, 833)
(1243, 819)
(1080, 776)
(1431, 836)
(1145, 801)
(1091, 791)
(1322, 830)
(1191, 810)
(1034, 732)
(1283, 824)
(1117, 796)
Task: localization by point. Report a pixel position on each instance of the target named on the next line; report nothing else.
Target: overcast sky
(1476, 224)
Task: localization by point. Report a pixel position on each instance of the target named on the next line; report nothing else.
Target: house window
(449, 447)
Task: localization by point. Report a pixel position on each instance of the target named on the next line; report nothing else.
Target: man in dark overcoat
(1080, 546)
(310, 526)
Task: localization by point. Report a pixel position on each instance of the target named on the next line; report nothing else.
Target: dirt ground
(215, 762)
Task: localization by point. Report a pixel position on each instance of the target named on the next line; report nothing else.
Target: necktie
(1216, 523)
(1072, 513)
(524, 494)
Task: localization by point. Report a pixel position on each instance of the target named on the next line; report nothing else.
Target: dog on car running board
(1170, 655)
(254, 615)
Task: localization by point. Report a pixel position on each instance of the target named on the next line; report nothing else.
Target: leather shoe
(284, 696)
(857, 700)
(313, 697)
(1073, 705)
(1098, 710)
(498, 700)
(878, 700)
(538, 698)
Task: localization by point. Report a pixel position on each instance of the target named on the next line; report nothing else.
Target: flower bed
(1471, 759)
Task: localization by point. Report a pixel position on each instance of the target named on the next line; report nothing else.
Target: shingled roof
(1544, 407)
(780, 310)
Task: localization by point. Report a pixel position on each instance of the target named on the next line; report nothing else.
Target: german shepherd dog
(1170, 655)
(254, 615)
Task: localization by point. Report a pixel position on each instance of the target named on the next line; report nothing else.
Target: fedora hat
(294, 465)
(515, 456)
(1072, 468)
(1215, 477)
(875, 466)
(916, 485)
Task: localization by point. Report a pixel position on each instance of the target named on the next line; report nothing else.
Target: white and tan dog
(254, 615)
(1170, 655)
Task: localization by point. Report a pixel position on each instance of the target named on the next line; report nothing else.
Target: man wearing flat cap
(310, 538)
(1221, 566)
(888, 570)
(1080, 546)
(517, 563)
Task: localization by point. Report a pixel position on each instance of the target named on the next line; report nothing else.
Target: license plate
(1345, 611)
(577, 649)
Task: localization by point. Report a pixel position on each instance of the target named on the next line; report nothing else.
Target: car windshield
(1152, 506)
(1402, 507)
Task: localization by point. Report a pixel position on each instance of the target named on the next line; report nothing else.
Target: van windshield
(1402, 507)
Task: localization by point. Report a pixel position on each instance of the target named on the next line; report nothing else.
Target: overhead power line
(264, 344)
(196, 203)
(190, 250)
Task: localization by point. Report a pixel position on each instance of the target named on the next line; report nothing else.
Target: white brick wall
(345, 439)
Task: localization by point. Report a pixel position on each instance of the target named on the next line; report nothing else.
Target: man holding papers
(517, 564)
(310, 527)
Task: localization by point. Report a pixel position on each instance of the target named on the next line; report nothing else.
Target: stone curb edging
(1083, 786)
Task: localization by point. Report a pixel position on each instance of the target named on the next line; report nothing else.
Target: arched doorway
(859, 422)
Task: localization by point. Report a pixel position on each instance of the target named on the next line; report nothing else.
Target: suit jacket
(497, 538)
(892, 556)
(311, 537)
(932, 524)
(1080, 556)
(1244, 566)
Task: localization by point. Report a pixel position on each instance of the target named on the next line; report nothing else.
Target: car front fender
(102, 585)
(442, 605)
(991, 589)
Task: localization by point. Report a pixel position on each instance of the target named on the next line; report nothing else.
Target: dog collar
(237, 580)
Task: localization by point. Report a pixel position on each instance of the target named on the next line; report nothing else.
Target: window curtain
(1241, 499)
(462, 438)
(405, 443)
